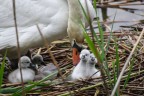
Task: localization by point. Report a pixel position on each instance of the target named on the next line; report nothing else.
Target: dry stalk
(18, 45)
(51, 55)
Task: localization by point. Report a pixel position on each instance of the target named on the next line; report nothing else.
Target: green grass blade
(111, 34)
(91, 44)
(106, 50)
(2, 69)
(117, 65)
(9, 90)
(115, 75)
(94, 3)
(100, 42)
(117, 61)
(28, 88)
(114, 72)
(105, 64)
(83, 10)
(129, 73)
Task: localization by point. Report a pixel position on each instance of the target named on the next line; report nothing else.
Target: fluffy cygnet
(79, 72)
(45, 69)
(91, 71)
(38, 59)
(27, 73)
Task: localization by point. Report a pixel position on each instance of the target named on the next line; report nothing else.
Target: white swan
(91, 71)
(79, 72)
(27, 73)
(54, 17)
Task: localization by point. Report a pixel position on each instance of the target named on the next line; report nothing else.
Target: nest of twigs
(61, 50)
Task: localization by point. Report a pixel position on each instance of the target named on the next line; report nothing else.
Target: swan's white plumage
(50, 15)
(30, 12)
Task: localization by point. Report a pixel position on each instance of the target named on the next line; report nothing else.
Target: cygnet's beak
(75, 53)
(34, 67)
(43, 63)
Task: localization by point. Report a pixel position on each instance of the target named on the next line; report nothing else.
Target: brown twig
(18, 46)
(51, 55)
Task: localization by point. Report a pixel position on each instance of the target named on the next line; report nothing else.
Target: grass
(128, 77)
(2, 67)
(29, 87)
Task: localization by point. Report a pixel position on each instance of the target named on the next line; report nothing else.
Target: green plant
(2, 69)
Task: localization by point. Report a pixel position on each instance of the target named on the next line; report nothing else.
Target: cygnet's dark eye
(86, 54)
(26, 62)
(40, 60)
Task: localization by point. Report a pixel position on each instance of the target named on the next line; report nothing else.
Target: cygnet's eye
(26, 62)
(86, 54)
(21, 62)
(40, 60)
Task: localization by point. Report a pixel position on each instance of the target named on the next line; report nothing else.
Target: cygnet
(91, 71)
(45, 69)
(27, 73)
(79, 72)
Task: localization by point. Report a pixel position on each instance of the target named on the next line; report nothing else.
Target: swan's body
(91, 71)
(27, 73)
(52, 16)
(79, 72)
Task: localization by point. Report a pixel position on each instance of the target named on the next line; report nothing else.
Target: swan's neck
(75, 10)
(75, 17)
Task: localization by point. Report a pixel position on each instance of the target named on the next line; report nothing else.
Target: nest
(61, 51)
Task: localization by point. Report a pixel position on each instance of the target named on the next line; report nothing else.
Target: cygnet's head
(38, 59)
(24, 61)
(84, 55)
(92, 60)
